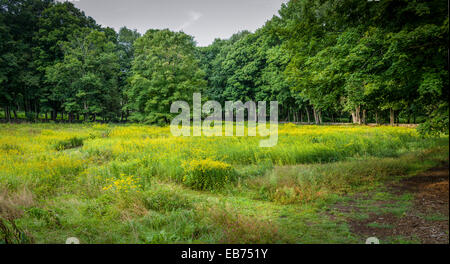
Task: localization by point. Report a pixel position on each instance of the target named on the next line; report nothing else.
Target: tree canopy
(322, 60)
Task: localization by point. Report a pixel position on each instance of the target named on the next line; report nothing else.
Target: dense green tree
(56, 26)
(362, 61)
(18, 77)
(164, 70)
(86, 80)
(212, 60)
(8, 62)
(126, 39)
(368, 56)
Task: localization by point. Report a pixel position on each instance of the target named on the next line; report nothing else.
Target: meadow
(138, 184)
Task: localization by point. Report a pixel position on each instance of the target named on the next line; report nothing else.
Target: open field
(139, 184)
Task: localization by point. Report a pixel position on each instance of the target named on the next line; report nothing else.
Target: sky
(203, 19)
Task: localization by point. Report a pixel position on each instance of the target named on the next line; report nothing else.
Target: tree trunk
(376, 117)
(280, 113)
(391, 117)
(25, 108)
(288, 115)
(307, 114)
(36, 111)
(364, 116)
(7, 114)
(358, 114)
(315, 115)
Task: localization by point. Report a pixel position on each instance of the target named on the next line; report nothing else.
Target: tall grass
(309, 183)
(47, 157)
(81, 176)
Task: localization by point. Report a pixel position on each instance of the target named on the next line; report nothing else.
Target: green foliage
(19, 79)
(371, 61)
(72, 142)
(126, 39)
(86, 80)
(207, 174)
(366, 56)
(438, 122)
(164, 70)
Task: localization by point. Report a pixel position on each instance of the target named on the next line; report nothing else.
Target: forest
(361, 149)
(347, 61)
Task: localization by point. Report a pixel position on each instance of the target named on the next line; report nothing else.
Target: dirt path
(426, 220)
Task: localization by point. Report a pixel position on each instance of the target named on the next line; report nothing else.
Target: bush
(69, 143)
(207, 174)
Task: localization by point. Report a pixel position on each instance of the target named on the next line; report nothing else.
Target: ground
(139, 184)
(424, 220)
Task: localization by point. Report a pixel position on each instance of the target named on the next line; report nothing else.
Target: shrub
(72, 142)
(207, 174)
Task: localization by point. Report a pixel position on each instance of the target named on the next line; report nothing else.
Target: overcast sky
(203, 19)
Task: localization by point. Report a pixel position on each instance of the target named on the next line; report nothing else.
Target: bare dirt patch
(427, 221)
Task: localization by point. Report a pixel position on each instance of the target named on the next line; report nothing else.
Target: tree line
(323, 61)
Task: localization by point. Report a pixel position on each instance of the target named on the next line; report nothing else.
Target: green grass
(436, 217)
(126, 184)
(378, 225)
